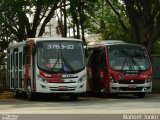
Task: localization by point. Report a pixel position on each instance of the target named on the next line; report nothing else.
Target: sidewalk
(6, 95)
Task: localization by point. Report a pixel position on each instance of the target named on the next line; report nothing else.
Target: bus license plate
(62, 87)
(132, 86)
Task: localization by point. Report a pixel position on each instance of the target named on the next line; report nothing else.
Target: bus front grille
(62, 89)
(131, 81)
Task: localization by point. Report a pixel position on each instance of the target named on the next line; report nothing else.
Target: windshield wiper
(54, 65)
(125, 61)
(66, 65)
(135, 63)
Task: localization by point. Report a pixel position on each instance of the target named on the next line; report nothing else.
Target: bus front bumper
(130, 88)
(61, 87)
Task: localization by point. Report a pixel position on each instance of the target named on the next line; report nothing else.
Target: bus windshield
(60, 56)
(128, 57)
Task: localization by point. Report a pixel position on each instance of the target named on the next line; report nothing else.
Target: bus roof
(95, 44)
(53, 38)
(105, 42)
(12, 45)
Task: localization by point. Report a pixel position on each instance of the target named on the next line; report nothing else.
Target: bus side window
(102, 58)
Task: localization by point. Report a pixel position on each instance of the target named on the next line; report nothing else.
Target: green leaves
(105, 21)
(22, 17)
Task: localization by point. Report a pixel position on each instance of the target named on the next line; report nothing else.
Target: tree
(156, 47)
(61, 14)
(74, 15)
(105, 22)
(16, 16)
(144, 19)
(78, 12)
(3, 46)
(4, 41)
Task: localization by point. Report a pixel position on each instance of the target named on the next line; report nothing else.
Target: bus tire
(73, 97)
(141, 95)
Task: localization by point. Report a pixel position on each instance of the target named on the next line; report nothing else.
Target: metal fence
(156, 66)
(156, 73)
(2, 77)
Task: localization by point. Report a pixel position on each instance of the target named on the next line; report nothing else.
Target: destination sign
(58, 46)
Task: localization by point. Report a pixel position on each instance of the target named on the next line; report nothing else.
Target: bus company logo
(132, 81)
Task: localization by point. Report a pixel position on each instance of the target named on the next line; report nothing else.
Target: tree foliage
(78, 12)
(4, 41)
(22, 18)
(16, 16)
(119, 19)
(104, 21)
(144, 19)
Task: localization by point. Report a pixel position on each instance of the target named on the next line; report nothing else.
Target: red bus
(117, 67)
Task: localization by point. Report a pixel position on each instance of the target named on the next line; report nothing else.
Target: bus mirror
(34, 49)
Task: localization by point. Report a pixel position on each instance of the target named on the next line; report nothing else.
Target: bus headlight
(81, 79)
(43, 80)
(149, 79)
(112, 79)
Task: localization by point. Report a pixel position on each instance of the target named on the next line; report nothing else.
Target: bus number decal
(56, 46)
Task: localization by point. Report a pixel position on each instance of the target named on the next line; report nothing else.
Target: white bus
(47, 65)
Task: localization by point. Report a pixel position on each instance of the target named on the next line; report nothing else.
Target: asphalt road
(124, 104)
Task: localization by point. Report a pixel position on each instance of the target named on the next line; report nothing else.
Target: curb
(6, 95)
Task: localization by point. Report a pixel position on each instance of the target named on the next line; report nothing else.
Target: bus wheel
(141, 95)
(103, 91)
(73, 97)
(30, 94)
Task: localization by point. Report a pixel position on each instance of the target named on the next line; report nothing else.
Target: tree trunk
(74, 31)
(144, 18)
(48, 18)
(81, 10)
(78, 32)
(65, 19)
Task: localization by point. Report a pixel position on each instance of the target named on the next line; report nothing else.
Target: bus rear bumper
(130, 88)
